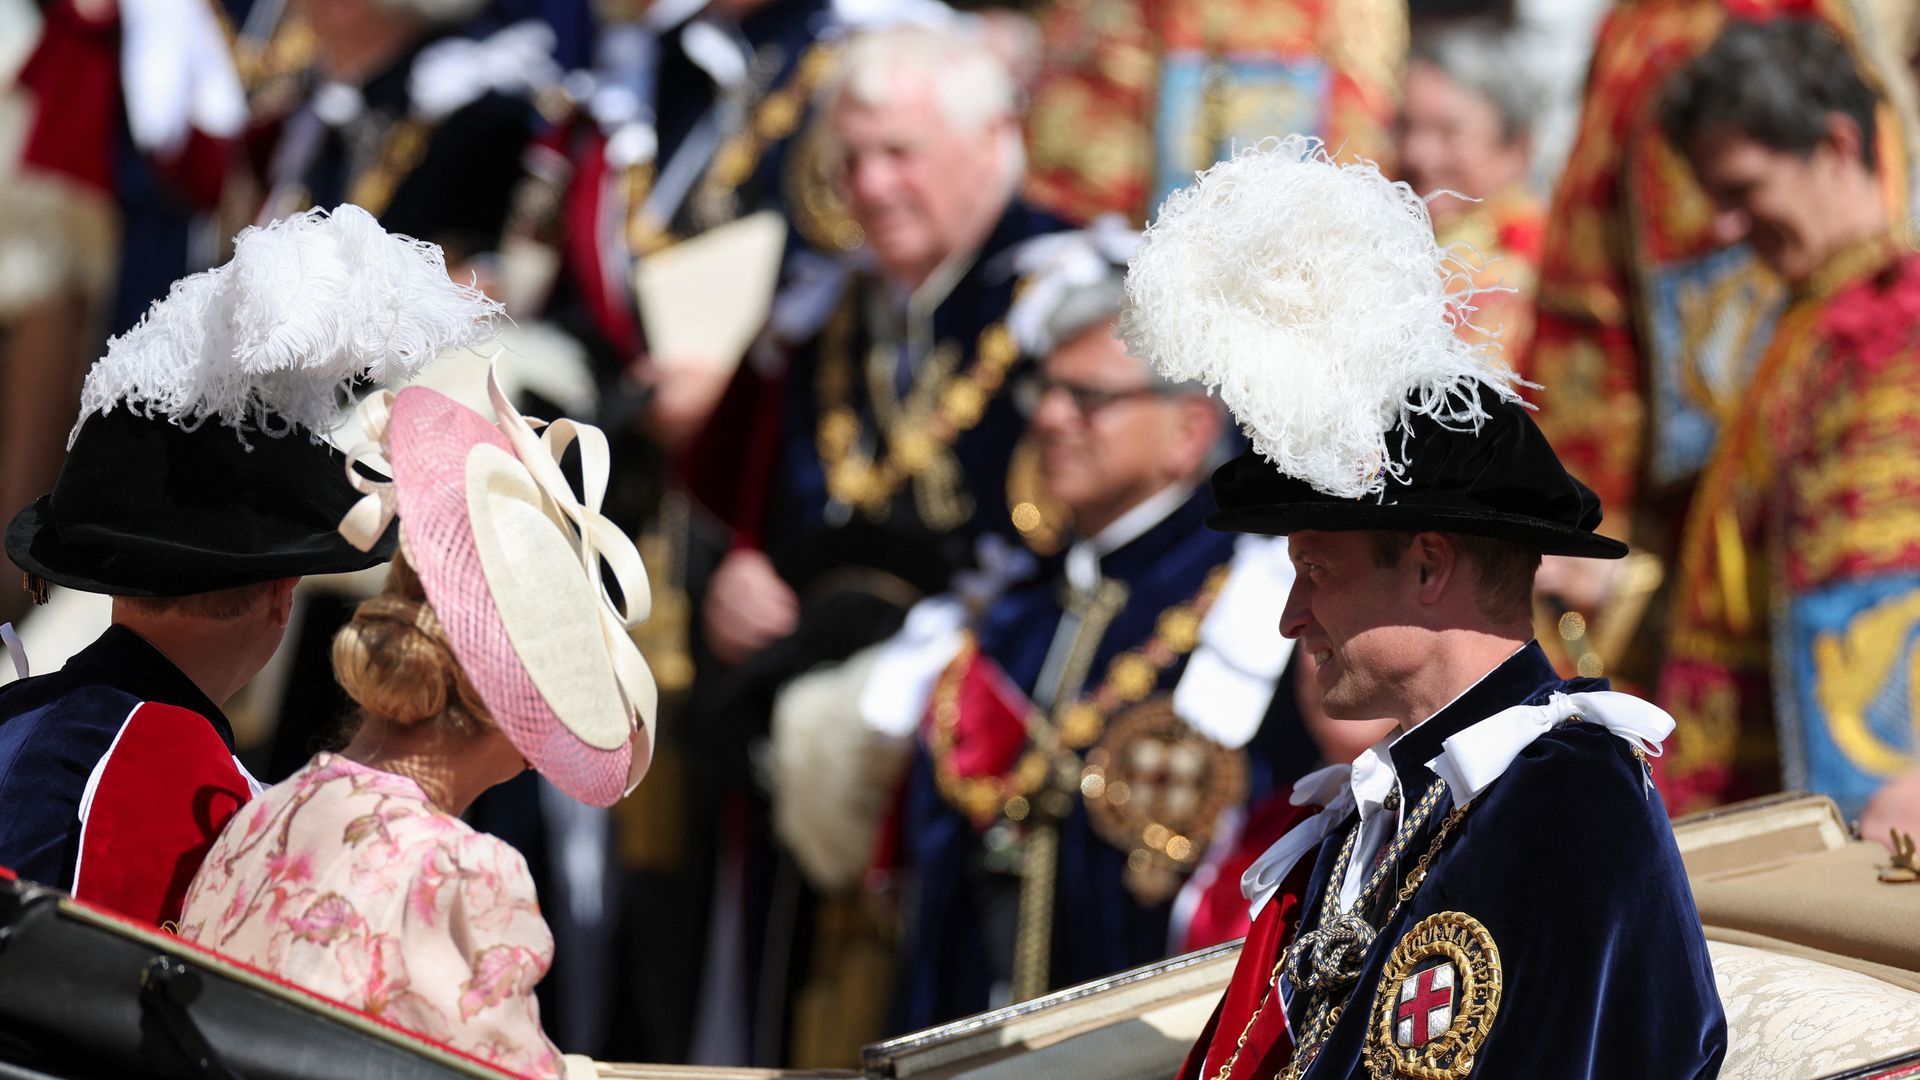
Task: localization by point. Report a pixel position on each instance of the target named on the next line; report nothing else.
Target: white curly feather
(1315, 299)
(271, 341)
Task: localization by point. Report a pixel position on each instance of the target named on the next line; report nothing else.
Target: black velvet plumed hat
(1502, 481)
(1312, 296)
(197, 464)
(144, 507)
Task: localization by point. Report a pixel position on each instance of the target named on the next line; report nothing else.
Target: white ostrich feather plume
(1314, 298)
(271, 341)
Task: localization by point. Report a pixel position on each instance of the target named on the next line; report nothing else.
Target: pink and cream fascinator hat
(515, 563)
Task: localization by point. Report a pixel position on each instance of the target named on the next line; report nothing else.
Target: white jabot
(1475, 758)
(1373, 779)
(1083, 558)
(1326, 787)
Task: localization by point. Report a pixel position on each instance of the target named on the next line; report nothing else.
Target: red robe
(1251, 1006)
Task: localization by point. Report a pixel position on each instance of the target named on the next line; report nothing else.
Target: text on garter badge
(1436, 1001)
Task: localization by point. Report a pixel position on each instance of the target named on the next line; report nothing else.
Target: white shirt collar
(1373, 777)
(1083, 558)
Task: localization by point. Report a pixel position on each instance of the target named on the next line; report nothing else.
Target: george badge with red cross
(1438, 994)
(1425, 1011)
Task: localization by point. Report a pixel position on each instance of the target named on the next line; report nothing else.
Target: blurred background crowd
(961, 702)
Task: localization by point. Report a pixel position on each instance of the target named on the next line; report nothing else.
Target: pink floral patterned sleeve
(347, 881)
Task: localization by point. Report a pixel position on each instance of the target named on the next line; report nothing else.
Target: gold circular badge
(1436, 1001)
(1155, 788)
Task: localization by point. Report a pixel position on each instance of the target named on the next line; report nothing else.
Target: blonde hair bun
(393, 661)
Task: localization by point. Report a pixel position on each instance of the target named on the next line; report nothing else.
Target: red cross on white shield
(1425, 1009)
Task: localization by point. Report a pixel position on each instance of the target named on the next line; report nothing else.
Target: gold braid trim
(1130, 678)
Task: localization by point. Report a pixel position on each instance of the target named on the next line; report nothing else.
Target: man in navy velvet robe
(117, 772)
(1493, 890)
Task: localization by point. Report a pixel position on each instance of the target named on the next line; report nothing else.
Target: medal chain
(1130, 678)
(942, 411)
(1326, 1015)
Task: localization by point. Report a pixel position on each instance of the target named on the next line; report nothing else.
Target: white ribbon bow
(367, 521)
(1475, 758)
(1469, 762)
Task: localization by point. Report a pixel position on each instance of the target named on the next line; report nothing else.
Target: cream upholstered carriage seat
(1791, 1017)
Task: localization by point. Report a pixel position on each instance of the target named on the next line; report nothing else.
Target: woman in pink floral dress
(493, 647)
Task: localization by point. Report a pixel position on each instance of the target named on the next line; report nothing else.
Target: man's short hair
(1478, 55)
(1503, 570)
(1775, 82)
(221, 604)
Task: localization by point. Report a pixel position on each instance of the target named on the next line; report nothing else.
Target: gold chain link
(1321, 1028)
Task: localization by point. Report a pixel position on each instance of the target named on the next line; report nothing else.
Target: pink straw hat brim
(431, 438)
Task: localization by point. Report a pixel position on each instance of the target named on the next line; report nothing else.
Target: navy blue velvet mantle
(1569, 862)
(957, 929)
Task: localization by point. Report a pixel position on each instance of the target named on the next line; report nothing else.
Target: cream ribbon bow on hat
(367, 521)
(596, 541)
(1469, 761)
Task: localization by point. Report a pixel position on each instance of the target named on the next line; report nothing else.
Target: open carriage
(1816, 958)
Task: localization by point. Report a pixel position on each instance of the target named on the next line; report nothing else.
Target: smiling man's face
(1351, 615)
(1777, 201)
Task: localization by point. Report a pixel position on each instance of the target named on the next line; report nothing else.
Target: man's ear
(1434, 561)
(280, 601)
(1845, 139)
(1199, 426)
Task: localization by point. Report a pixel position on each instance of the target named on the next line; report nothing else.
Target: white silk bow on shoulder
(1469, 761)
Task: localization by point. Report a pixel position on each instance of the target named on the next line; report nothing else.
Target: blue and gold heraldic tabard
(1849, 724)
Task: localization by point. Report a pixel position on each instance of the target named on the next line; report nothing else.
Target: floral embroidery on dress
(349, 882)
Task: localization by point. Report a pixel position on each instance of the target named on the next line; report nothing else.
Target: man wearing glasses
(1075, 758)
